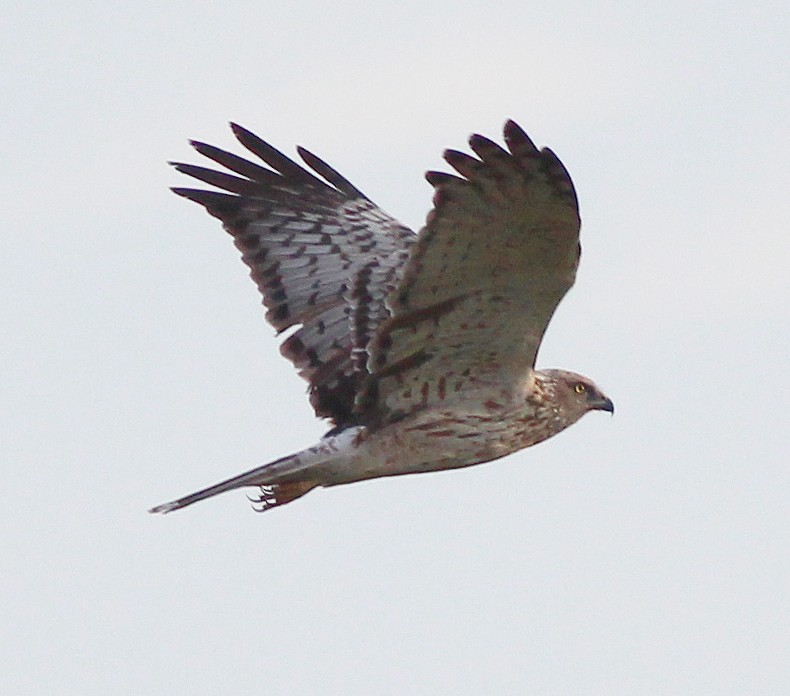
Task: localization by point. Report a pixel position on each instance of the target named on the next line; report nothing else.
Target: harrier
(419, 348)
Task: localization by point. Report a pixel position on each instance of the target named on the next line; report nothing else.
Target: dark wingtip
(220, 205)
(203, 148)
(512, 127)
(239, 131)
(436, 179)
(517, 140)
(466, 165)
(331, 175)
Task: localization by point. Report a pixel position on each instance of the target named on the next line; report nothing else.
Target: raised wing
(322, 254)
(497, 254)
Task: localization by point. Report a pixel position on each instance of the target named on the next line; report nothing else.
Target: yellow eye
(580, 388)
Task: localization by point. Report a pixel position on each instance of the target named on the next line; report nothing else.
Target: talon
(267, 499)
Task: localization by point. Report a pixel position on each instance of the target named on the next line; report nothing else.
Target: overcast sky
(647, 553)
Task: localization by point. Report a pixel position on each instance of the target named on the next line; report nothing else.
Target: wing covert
(497, 254)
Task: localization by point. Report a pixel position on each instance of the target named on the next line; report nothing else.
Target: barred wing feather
(311, 244)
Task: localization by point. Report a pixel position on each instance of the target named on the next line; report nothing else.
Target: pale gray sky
(644, 554)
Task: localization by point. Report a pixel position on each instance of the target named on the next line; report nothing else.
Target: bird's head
(573, 394)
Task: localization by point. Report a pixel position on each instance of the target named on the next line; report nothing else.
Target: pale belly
(433, 441)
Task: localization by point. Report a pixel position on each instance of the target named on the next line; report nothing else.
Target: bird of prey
(419, 348)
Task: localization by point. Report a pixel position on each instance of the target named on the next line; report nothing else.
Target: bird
(418, 348)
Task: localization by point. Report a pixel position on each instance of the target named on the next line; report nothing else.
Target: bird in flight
(419, 348)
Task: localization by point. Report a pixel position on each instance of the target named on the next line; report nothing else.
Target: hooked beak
(603, 404)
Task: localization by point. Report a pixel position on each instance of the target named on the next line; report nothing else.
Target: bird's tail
(280, 481)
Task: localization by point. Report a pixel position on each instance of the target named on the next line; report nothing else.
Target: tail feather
(269, 476)
(259, 476)
(282, 480)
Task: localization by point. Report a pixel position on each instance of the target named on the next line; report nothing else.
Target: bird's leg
(280, 494)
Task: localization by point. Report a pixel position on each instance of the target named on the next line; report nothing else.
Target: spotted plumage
(420, 349)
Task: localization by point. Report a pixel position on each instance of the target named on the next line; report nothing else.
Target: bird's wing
(312, 245)
(497, 254)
